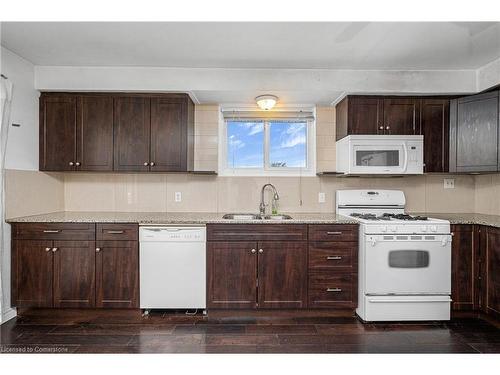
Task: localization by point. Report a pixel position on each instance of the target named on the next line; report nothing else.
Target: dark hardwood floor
(98, 331)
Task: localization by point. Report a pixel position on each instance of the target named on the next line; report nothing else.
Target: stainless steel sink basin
(255, 217)
(242, 217)
(277, 217)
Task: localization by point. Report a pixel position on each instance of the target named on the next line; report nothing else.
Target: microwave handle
(405, 154)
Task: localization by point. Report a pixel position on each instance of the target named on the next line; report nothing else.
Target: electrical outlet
(321, 198)
(178, 196)
(449, 183)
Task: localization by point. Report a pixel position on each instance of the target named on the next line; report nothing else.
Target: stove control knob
(434, 228)
(424, 228)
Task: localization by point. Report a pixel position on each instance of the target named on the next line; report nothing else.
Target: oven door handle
(408, 300)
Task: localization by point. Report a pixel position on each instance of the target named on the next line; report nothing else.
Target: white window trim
(224, 170)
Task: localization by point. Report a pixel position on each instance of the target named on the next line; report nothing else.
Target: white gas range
(404, 260)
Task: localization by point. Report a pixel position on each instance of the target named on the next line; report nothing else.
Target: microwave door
(379, 159)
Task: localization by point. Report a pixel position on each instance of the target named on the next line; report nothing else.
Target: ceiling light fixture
(266, 102)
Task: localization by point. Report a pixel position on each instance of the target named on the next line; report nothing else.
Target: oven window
(377, 158)
(408, 259)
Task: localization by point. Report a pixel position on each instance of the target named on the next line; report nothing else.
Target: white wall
(488, 75)
(22, 146)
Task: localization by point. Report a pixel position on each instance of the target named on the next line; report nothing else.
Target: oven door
(390, 158)
(407, 264)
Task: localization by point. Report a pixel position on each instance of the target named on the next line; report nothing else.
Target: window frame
(267, 170)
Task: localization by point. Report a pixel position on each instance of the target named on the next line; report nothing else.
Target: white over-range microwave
(380, 154)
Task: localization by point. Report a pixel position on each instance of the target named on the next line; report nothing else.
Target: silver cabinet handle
(115, 232)
(334, 233)
(71, 163)
(78, 163)
(333, 290)
(51, 231)
(261, 251)
(47, 249)
(54, 249)
(97, 249)
(333, 257)
(253, 251)
(380, 128)
(146, 163)
(152, 163)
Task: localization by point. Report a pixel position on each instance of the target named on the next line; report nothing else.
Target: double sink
(255, 217)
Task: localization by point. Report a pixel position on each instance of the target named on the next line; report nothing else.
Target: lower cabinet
(490, 259)
(117, 274)
(464, 267)
(63, 273)
(250, 274)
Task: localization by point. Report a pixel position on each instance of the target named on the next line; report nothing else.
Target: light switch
(178, 196)
(321, 198)
(449, 183)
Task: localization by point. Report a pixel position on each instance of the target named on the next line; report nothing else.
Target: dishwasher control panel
(172, 234)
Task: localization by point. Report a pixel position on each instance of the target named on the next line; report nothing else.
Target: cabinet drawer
(117, 232)
(257, 232)
(332, 254)
(54, 231)
(333, 232)
(332, 290)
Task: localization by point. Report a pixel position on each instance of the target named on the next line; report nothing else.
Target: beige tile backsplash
(31, 192)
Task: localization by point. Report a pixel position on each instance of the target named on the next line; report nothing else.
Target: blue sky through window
(287, 144)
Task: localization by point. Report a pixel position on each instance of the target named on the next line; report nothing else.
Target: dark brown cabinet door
(463, 270)
(117, 274)
(57, 133)
(401, 116)
(131, 133)
(365, 115)
(95, 133)
(74, 274)
(282, 274)
(434, 125)
(491, 280)
(32, 273)
(474, 133)
(168, 135)
(231, 274)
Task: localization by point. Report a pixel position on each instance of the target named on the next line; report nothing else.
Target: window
(267, 147)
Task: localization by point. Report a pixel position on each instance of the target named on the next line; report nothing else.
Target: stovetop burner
(388, 216)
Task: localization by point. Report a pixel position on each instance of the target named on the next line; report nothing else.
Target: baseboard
(8, 314)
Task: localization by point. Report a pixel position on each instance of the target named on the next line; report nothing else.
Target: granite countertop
(173, 218)
(214, 218)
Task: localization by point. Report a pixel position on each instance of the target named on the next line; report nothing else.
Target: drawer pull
(51, 231)
(333, 290)
(115, 232)
(334, 233)
(334, 257)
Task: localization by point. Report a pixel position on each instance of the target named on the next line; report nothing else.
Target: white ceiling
(361, 45)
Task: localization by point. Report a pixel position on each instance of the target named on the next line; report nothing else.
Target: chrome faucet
(262, 206)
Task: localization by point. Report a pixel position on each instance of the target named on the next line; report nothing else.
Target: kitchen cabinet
(399, 115)
(94, 133)
(257, 266)
(474, 133)
(59, 265)
(132, 133)
(333, 266)
(57, 132)
(116, 132)
(490, 259)
(74, 273)
(232, 274)
(464, 267)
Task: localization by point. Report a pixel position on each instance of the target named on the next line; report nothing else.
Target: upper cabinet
(399, 116)
(474, 133)
(116, 132)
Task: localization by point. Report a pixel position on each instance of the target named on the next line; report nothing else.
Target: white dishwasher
(172, 267)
